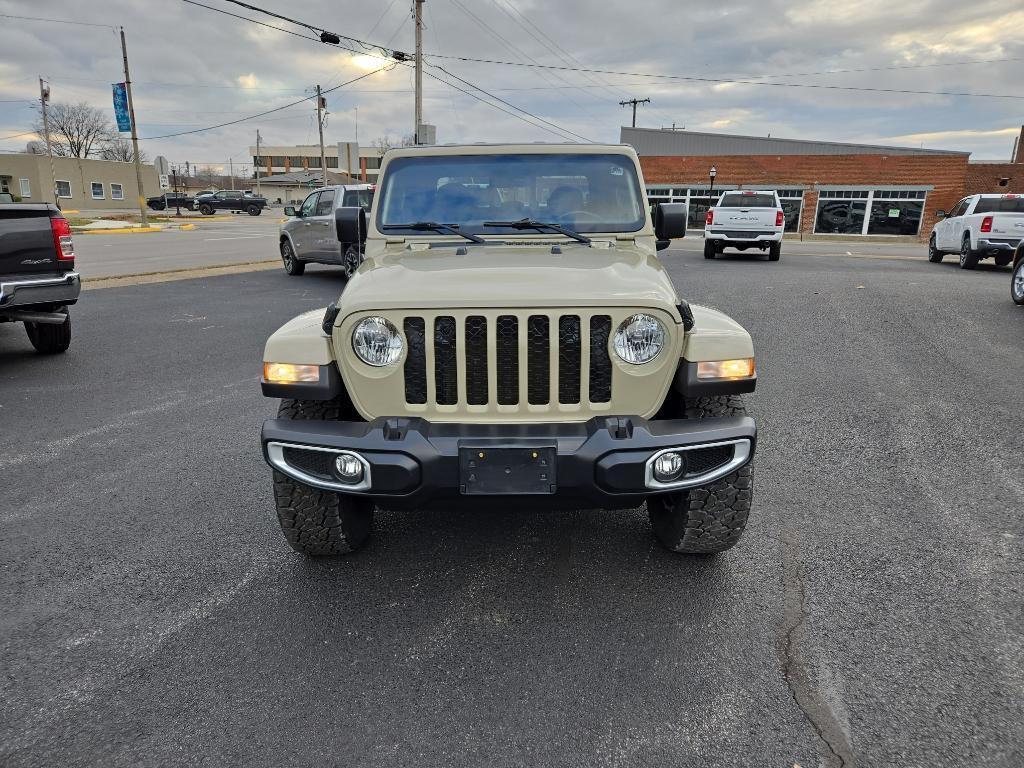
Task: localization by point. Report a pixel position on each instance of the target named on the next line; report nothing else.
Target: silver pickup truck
(38, 280)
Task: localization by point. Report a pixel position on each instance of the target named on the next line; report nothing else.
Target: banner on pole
(124, 122)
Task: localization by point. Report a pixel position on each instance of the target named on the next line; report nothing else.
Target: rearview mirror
(289, 210)
(940, 214)
(351, 224)
(669, 220)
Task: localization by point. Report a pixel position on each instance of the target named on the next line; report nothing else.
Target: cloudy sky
(194, 68)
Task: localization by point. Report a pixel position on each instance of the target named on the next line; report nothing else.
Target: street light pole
(711, 190)
(177, 197)
(44, 97)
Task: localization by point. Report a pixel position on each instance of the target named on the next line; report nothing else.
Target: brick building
(827, 188)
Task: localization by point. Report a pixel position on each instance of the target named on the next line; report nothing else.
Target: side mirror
(669, 220)
(940, 214)
(289, 210)
(351, 224)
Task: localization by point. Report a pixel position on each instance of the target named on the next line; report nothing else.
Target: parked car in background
(745, 219)
(209, 203)
(979, 227)
(170, 200)
(1017, 280)
(38, 281)
(311, 233)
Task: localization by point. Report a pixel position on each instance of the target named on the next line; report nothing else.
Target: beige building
(81, 184)
(365, 163)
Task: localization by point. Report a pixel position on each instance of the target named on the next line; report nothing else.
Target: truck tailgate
(26, 240)
(739, 219)
(1008, 225)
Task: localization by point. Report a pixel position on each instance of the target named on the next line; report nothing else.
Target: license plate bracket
(520, 468)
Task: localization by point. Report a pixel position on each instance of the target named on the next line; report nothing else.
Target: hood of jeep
(510, 276)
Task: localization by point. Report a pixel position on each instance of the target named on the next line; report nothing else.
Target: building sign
(124, 122)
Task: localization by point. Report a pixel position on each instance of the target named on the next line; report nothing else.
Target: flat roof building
(275, 159)
(827, 188)
(80, 183)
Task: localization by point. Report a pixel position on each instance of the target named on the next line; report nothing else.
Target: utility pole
(135, 135)
(177, 197)
(634, 102)
(418, 14)
(320, 103)
(44, 97)
(259, 159)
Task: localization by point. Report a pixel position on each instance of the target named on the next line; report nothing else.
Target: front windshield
(584, 193)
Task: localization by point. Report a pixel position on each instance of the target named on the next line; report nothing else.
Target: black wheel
(157, 206)
(315, 522)
(292, 265)
(968, 258)
(709, 249)
(50, 338)
(206, 210)
(710, 518)
(774, 251)
(934, 254)
(351, 260)
(1003, 260)
(253, 210)
(1017, 283)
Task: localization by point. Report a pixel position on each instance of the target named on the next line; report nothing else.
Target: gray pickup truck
(38, 280)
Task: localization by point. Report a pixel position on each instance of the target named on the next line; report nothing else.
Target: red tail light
(986, 224)
(780, 217)
(709, 219)
(62, 239)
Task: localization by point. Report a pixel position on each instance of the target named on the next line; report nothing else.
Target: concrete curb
(171, 275)
(119, 231)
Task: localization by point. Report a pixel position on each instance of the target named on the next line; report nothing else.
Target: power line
(57, 21)
(261, 114)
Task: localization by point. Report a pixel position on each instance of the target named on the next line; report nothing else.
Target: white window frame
(873, 193)
(92, 191)
(5, 185)
(25, 187)
(116, 191)
(69, 195)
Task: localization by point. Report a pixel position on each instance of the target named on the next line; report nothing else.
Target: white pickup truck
(979, 226)
(744, 219)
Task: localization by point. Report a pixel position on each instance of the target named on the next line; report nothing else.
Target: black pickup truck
(38, 280)
(230, 200)
(170, 200)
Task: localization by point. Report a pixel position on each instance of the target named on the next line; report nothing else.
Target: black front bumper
(416, 463)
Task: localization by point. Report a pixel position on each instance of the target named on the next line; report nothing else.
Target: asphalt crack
(795, 669)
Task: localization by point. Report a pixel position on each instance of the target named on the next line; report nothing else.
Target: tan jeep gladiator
(510, 339)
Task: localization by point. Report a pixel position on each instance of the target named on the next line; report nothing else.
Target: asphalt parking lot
(871, 615)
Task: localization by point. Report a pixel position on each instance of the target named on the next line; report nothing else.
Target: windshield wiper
(433, 226)
(539, 225)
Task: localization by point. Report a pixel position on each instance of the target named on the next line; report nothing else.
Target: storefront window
(791, 210)
(840, 217)
(895, 217)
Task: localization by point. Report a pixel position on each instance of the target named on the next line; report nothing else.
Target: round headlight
(639, 339)
(377, 342)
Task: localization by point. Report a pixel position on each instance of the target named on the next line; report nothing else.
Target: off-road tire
(253, 210)
(50, 339)
(292, 266)
(774, 251)
(968, 258)
(709, 249)
(315, 522)
(1017, 283)
(934, 254)
(710, 518)
(206, 210)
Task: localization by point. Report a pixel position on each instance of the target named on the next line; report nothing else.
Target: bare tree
(76, 130)
(121, 151)
(384, 143)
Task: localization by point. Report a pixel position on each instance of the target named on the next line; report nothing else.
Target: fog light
(668, 467)
(348, 468)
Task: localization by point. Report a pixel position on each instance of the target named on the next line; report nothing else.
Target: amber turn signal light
(726, 369)
(290, 373)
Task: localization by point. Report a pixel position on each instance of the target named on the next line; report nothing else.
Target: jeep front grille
(521, 362)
